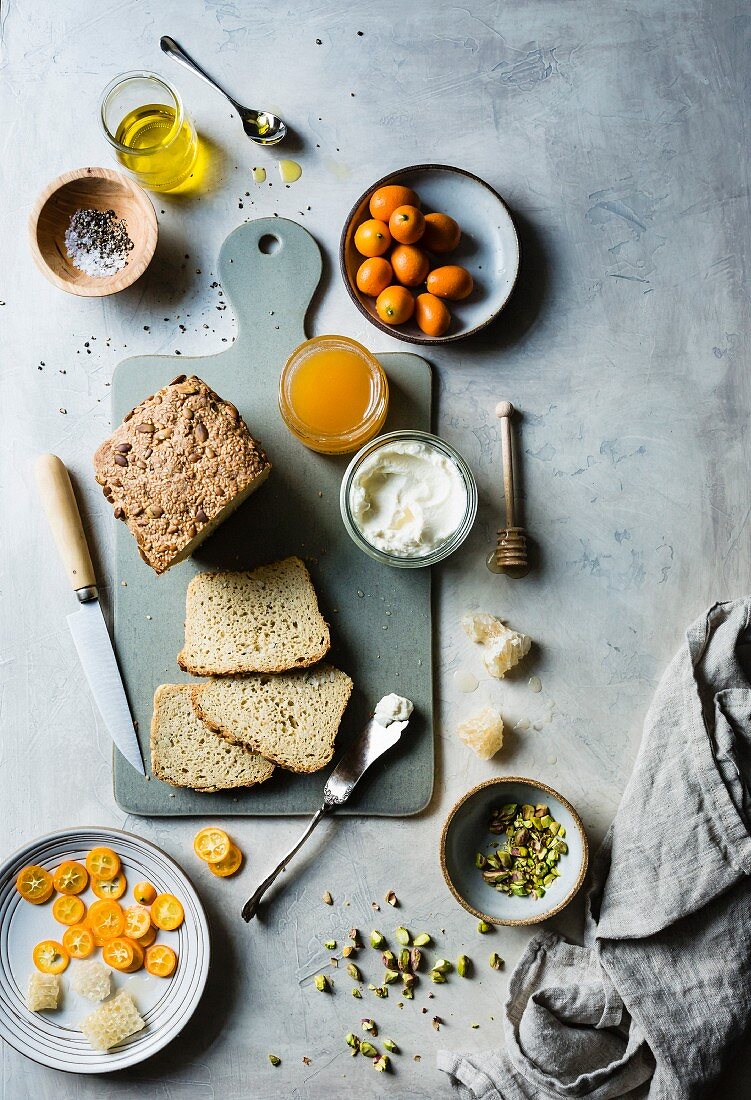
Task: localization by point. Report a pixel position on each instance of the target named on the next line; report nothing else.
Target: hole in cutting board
(269, 244)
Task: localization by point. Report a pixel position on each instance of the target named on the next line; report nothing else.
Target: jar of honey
(333, 394)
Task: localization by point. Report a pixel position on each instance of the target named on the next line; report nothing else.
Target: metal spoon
(373, 742)
(260, 126)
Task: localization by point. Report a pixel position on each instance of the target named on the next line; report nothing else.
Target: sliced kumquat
(121, 954)
(35, 884)
(144, 892)
(50, 957)
(148, 939)
(68, 909)
(71, 877)
(230, 865)
(160, 960)
(137, 921)
(106, 920)
(102, 863)
(167, 912)
(212, 844)
(78, 941)
(110, 889)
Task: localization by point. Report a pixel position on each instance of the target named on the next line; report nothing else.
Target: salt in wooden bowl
(96, 189)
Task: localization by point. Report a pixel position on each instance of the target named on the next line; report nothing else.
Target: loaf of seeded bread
(180, 463)
(292, 718)
(263, 621)
(186, 753)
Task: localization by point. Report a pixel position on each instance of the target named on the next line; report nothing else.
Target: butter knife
(372, 743)
(90, 635)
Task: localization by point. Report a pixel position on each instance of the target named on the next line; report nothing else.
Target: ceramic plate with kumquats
(430, 254)
(104, 948)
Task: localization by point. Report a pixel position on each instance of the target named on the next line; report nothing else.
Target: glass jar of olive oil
(144, 120)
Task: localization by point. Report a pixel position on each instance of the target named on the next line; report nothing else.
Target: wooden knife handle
(59, 503)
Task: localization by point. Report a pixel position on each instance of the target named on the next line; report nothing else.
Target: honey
(333, 394)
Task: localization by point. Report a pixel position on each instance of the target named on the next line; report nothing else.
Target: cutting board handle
(269, 269)
(59, 504)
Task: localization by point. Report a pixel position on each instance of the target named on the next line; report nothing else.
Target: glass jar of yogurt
(408, 499)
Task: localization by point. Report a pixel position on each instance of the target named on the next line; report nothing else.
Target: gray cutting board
(380, 617)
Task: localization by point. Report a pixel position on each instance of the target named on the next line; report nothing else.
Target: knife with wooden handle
(89, 630)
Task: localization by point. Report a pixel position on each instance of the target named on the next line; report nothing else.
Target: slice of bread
(264, 621)
(185, 753)
(292, 719)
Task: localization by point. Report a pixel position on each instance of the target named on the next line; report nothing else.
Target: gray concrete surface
(618, 135)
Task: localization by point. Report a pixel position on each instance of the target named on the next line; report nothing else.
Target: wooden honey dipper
(510, 554)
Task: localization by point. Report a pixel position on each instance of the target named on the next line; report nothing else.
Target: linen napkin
(659, 998)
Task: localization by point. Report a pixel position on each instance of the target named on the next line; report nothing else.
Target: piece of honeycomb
(92, 980)
(43, 991)
(112, 1022)
(483, 733)
(503, 648)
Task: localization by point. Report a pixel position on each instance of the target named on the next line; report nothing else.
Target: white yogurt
(393, 708)
(408, 498)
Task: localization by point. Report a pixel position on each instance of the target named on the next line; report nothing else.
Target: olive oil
(163, 153)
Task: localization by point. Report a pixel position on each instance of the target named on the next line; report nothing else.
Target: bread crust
(178, 465)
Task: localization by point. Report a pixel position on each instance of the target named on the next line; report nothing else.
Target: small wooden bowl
(466, 833)
(97, 189)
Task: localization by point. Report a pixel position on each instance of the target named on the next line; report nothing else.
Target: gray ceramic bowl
(489, 247)
(466, 833)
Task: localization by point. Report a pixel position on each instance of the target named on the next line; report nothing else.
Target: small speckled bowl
(489, 248)
(466, 833)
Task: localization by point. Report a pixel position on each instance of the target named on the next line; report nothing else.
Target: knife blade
(90, 635)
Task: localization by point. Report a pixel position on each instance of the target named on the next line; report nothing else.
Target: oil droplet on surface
(290, 171)
(466, 681)
(535, 684)
(259, 175)
(523, 724)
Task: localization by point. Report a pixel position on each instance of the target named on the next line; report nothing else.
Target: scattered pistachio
(354, 935)
(330, 945)
(334, 962)
(410, 980)
(423, 940)
(391, 898)
(389, 959)
(354, 972)
(274, 1060)
(326, 898)
(307, 1061)
(322, 983)
(417, 1058)
(391, 1046)
(376, 906)
(463, 966)
(474, 1026)
(347, 951)
(437, 977)
(415, 959)
(405, 959)
(443, 966)
(368, 1049)
(352, 1041)
(437, 1021)
(377, 939)
(483, 927)
(480, 861)
(402, 936)
(407, 993)
(356, 993)
(381, 991)
(369, 1025)
(390, 976)
(496, 961)
(382, 1064)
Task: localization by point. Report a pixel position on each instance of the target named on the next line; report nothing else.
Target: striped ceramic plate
(53, 1038)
